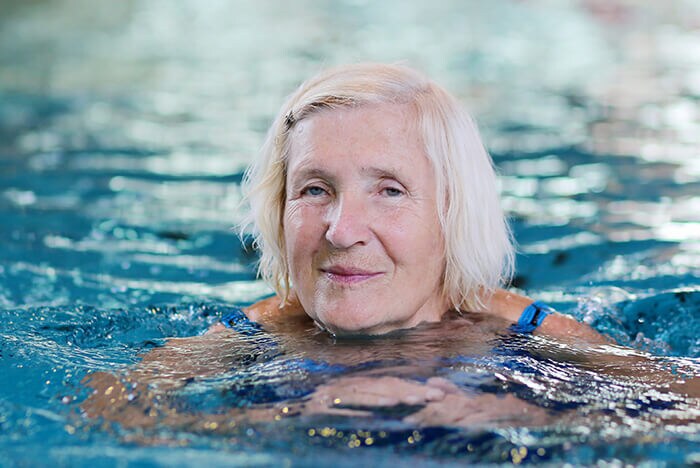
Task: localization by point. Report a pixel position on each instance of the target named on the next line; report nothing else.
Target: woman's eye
(314, 191)
(392, 192)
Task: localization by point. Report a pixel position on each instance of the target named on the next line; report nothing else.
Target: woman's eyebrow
(304, 173)
(382, 172)
(310, 173)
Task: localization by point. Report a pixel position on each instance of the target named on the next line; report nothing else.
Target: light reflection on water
(125, 128)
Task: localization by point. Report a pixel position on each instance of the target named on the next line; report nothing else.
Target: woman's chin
(345, 323)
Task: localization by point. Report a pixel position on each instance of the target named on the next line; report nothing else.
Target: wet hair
(478, 247)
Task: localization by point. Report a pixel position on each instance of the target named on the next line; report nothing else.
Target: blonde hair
(478, 248)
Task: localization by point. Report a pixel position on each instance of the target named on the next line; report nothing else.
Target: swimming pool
(123, 135)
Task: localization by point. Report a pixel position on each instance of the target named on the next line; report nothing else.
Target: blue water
(124, 131)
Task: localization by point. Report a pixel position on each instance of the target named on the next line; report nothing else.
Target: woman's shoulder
(273, 310)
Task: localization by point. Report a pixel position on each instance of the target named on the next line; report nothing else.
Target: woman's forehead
(372, 118)
(381, 136)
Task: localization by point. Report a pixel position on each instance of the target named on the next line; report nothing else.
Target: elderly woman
(376, 209)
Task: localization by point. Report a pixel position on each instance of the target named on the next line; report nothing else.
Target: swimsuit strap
(532, 317)
(237, 320)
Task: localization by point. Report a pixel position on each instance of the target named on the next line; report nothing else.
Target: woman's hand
(444, 404)
(352, 396)
(463, 410)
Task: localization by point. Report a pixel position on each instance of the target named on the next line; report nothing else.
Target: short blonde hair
(478, 247)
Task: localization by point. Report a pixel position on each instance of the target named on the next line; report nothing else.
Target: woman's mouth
(349, 275)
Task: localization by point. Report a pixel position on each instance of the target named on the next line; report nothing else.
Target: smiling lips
(349, 275)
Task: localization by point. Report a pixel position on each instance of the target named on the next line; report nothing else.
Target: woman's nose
(348, 222)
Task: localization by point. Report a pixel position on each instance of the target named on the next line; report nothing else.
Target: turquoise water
(124, 131)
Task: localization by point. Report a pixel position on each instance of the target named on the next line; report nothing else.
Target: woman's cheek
(401, 218)
(301, 219)
(293, 215)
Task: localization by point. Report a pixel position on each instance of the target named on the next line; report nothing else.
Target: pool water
(124, 132)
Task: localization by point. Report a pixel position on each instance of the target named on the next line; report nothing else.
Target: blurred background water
(125, 128)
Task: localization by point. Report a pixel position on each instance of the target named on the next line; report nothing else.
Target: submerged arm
(510, 306)
(600, 353)
(140, 395)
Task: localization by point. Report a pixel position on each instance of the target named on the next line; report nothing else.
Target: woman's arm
(133, 396)
(510, 306)
(139, 396)
(597, 352)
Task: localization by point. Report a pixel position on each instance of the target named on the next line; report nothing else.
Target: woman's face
(361, 226)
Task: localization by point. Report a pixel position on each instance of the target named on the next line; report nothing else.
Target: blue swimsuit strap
(532, 317)
(237, 320)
